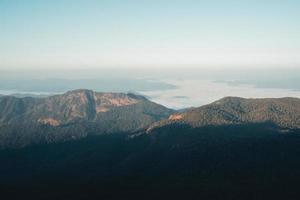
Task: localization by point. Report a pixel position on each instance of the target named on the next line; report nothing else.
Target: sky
(40, 34)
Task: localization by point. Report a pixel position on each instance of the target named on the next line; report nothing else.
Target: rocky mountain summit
(74, 114)
(63, 109)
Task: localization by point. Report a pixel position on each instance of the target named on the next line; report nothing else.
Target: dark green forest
(253, 161)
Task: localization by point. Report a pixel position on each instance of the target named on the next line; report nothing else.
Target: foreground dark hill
(248, 162)
(284, 112)
(73, 115)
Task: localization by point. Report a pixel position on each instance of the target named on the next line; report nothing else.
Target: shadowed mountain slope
(248, 161)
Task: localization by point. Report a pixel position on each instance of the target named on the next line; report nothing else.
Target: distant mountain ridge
(79, 113)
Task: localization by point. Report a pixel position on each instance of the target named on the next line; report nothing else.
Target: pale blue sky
(153, 33)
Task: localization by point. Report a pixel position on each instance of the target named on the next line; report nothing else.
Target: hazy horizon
(176, 88)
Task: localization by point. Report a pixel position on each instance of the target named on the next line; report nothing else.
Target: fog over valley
(175, 89)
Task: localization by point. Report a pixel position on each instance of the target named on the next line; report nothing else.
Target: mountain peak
(80, 104)
(284, 112)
